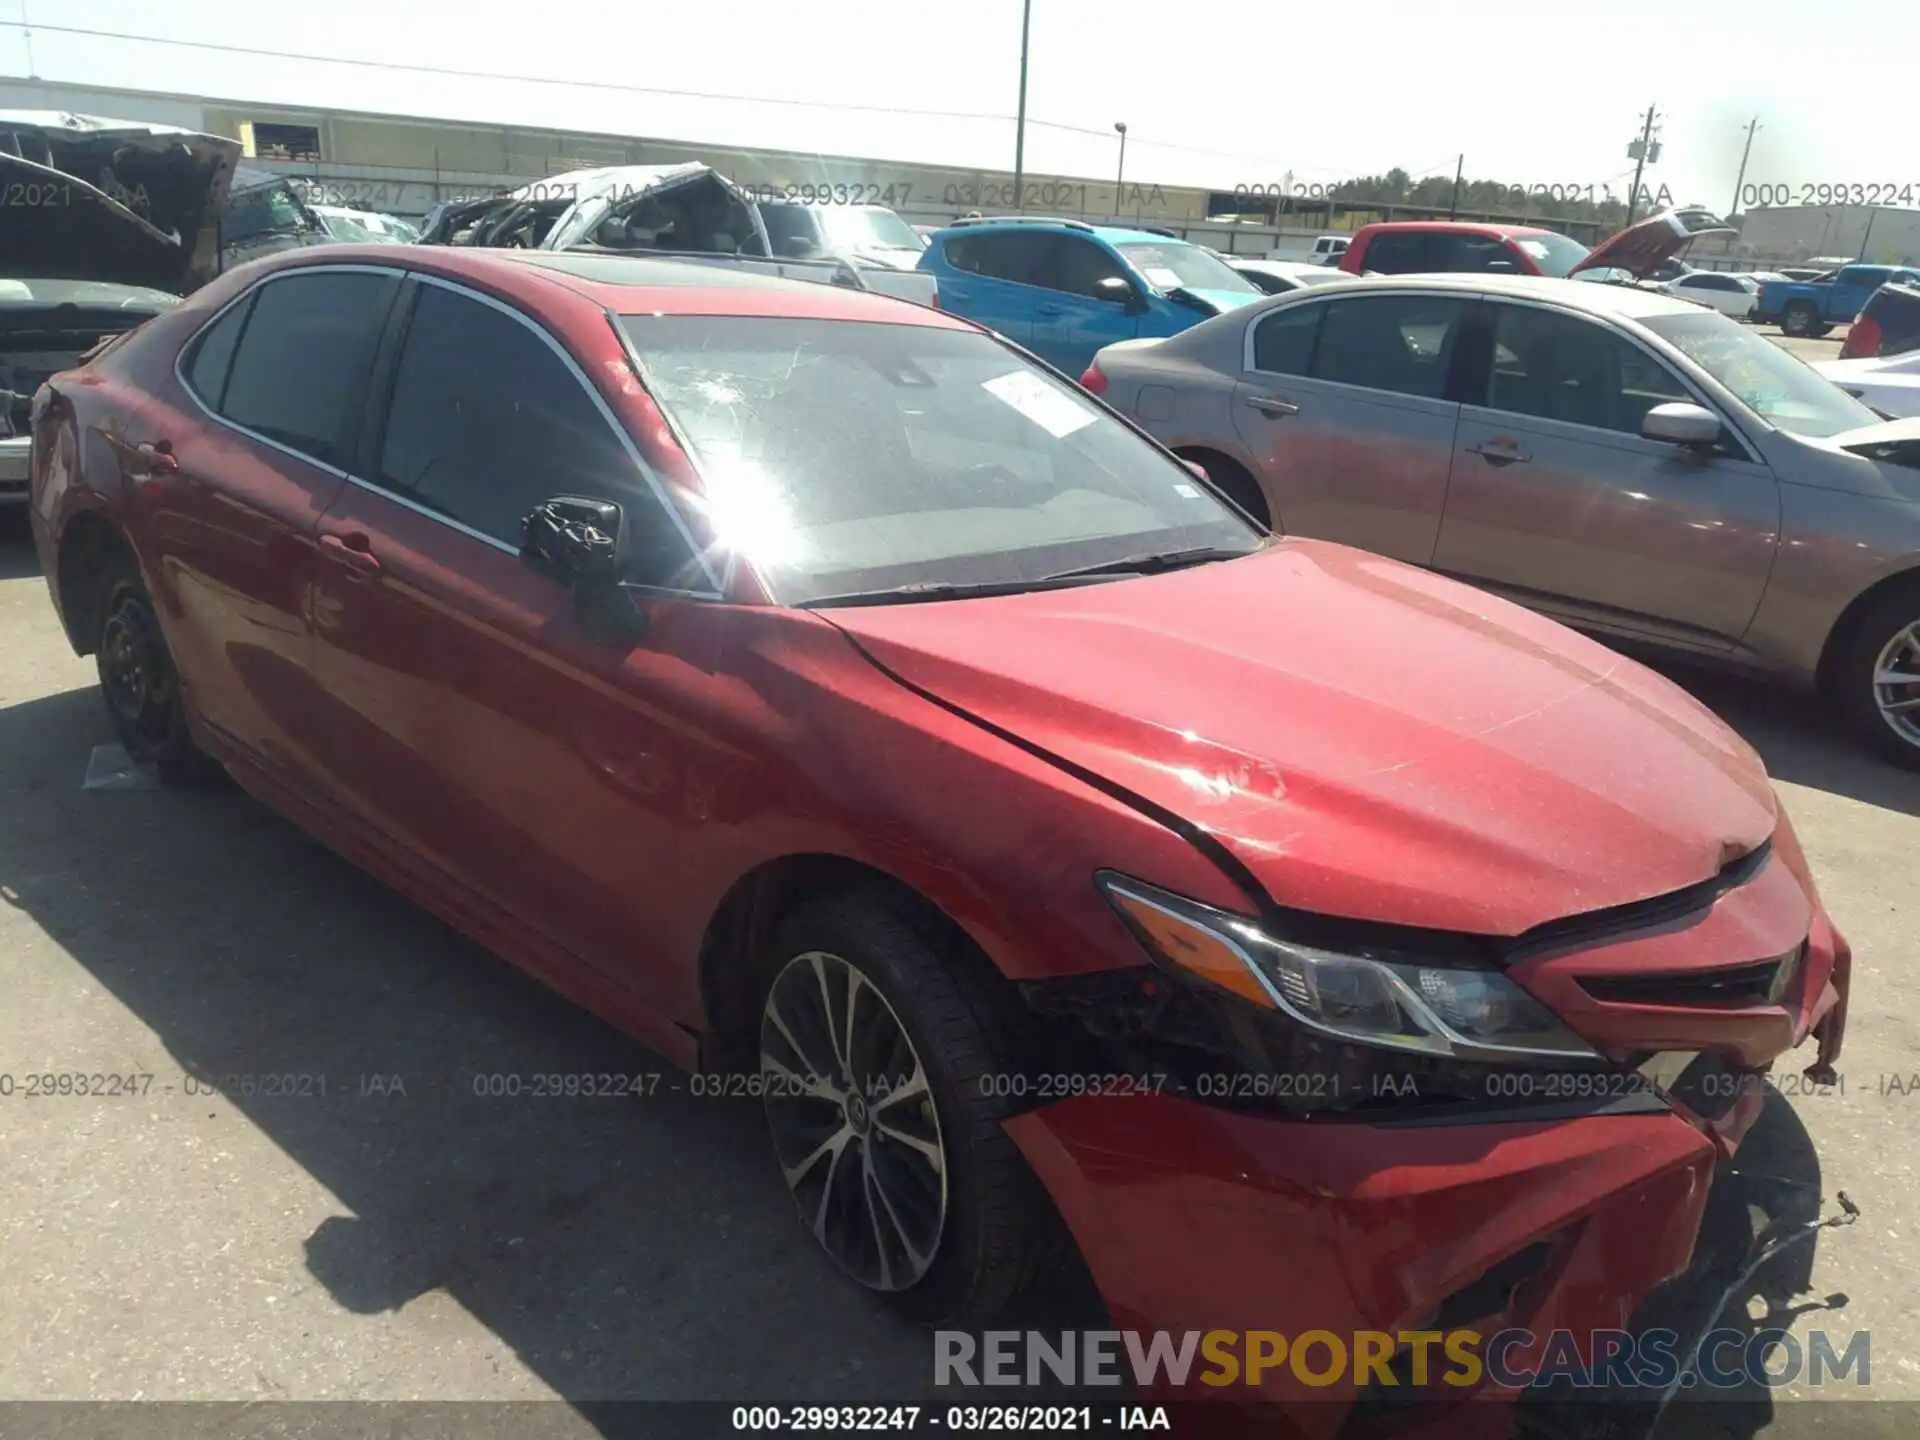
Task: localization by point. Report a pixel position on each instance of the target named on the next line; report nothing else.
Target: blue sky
(1213, 92)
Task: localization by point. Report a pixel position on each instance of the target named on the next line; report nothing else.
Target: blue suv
(1063, 288)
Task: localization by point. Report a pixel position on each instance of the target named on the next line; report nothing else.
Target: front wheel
(1878, 677)
(879, 1049)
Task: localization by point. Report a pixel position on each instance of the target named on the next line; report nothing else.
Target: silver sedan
(1621, 460)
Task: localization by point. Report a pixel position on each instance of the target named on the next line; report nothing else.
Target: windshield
(1175, 265)
(268, 210)
(1769, 381)
(93, 294)
(1554, 254)
(841, 456)
(354, 229)
(857, 228)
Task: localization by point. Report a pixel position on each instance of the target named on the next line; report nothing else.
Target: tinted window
(1561, 367)
(1076, 266)
(1707, 282)
(1863, 275)
(487, 421)
(846, 456)
(787, 224)
(303, 358)
(1008, 255)
(213, 354)
(1478, 254)
(1397, 253)
(1400, 343)
(1283, 342)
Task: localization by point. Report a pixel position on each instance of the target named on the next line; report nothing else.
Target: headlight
(1397, 1002)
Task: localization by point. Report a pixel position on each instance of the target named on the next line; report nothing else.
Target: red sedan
(820, 689)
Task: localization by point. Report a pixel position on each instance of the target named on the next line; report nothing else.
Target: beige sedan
(1626, 462)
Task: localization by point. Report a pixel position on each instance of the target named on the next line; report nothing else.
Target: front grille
(1725, 987)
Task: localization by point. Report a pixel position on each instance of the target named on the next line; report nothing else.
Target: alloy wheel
(855, 1126)
(1896, 684)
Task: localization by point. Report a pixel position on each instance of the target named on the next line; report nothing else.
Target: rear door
(277, 383)
(477, 726)
(1851, 288)
(995, 287)
(1557, 500)
(1345, 406)
(1077, 316)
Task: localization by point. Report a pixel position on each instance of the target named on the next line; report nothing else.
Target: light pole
(1020, 124)
(1120, 176)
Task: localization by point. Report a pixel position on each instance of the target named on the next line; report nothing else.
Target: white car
(1277, 277)
(1321, 250)
(1890, 384)
(1733, 295)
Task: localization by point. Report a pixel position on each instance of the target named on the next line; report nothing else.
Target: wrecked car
(108, 223)
(688, 212)
(265, 215)
(1309, 941)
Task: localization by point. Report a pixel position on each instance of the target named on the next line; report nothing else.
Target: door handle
(353, 550)
(1273, 405)
(1501, 452)
(159, 457)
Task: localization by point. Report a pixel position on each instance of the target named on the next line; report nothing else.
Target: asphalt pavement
(361, 1219)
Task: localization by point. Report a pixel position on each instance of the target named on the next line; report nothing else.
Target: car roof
(633, 284)
(1457, 227)
(1112, 234)
(1626, 301)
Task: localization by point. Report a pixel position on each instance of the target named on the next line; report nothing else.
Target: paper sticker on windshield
(1188, 491)
(1161, 278)
(1034, 398)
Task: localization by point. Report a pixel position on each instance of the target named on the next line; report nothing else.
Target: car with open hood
(849, 706)
(690, 212)
(1614, 457)
(1424, 247)
(107, 223)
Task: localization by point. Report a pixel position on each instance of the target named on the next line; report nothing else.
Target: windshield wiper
(1153, 564)
(951, 590)
(1059, 580)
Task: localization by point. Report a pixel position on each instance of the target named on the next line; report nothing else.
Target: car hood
(1369, 739)
(139, 204)
(1641, 247)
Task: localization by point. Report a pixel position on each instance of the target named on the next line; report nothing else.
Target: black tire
(998, 1235)
(1235, 481)
(1816, 331)
(138, 681)
(1798, 318)
(1871, 636)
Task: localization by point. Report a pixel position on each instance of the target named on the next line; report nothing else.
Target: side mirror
(1680, 423)
(574, 539)
(1119, 290)
(583, 543)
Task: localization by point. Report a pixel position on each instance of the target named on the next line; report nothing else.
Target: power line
(404, 67)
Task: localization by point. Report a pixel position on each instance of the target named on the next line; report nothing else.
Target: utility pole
(1120, 177)
(1641, 150)
(1740, 183)
(1872, 215)
(1020, 124)
(1453, 205)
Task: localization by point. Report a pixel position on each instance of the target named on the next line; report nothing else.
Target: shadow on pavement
(1802, 741)
(17, 556)
(640, 1247)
